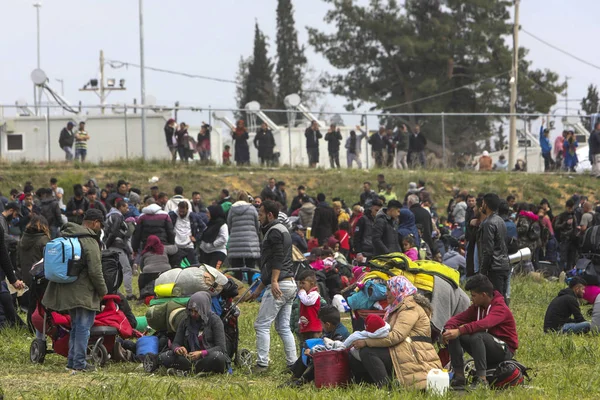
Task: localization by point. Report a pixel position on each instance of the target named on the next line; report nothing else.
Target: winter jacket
(66, 139)
(363, 235)
(153, 221)
(423, 217)
(594, 144)
(169, 132)
(276, 252)
(545, 142)
(74, 205)
(312, 138)
(497, 320)
(454, 259)
(333, 140)
(197, 224)
(50, 210)
(385, 236)
(264, 141)
(401, 141)
(6, 267)
(173, 203)
(561, 309)
(89, 288)
(116, 232)
(407, 226)
(157, 263)
(299, 242)
(281, 197)
(491, 245)
(460, 212)
(242, 151)
(485, 163)
(417, 143)
(244, 231)
(30, 250)
(98, 205)
(412, 356)
(324, 222)
(377, 143)
(366, 198)
(213, 335)
(267, 191)
(306, 214)
(358, 143)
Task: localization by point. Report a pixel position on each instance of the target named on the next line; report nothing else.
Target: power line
(559, 49)
(120, 64)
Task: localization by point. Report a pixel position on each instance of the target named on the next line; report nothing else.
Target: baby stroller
(57, 326)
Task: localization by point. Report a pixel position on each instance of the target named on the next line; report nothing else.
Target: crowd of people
(154, 231)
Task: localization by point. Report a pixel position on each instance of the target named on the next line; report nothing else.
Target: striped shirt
(81, 144)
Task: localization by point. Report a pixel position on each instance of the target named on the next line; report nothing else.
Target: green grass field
(565, 366)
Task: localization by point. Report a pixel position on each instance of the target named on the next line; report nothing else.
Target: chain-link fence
(350, 140)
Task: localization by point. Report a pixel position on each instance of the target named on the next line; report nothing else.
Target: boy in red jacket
(486, 330)
(310, 304)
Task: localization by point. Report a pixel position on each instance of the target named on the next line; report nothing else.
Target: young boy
(227, 155)
(310, 304)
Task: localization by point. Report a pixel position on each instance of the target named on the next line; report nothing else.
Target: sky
(208, 37)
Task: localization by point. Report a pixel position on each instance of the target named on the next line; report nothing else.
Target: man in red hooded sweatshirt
(486, 330)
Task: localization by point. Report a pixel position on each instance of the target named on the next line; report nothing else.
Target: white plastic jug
(438, 381)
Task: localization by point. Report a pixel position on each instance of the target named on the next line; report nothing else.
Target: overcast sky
(208, 37)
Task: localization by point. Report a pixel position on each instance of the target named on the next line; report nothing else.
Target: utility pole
(142, 79)
(512, 142)
(102, 97)
(37, 90)
(567, 96)
(102, 89)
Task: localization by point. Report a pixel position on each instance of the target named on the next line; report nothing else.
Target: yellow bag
(435, 268)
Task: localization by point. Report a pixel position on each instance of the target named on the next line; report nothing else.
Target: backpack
(535, 231)
(508, 374)
(591, 243)
(112, 271)
(512, 245)
(63, 259)
(596, 219)
(523, 225)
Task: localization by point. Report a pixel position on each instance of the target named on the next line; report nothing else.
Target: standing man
(188, 228)
(57, 192)
(264, 141)
(92, 196)
(312, 136)
(269, 189)
(565, 229)
(81, 139)
(377, 145)
(401, 141)
(363, 232)
(423, 218)
(116, 238)
(8, 315)
(354, 147)
(594, 142)
(368, 195)
(324, 223)
(197, 205)
(296, 201)
(391, 148)
(416, 147)
(77, 206)
(277, 278)
(546, 147)
(491, 245)
(82, 297)
(333, 137)
(170, 129)
(385, 230)
(66, 140)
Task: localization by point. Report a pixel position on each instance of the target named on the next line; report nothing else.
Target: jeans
(81, 153)
(183, 153)
(547, 161)
(350, 157)
(401, 159)
(127, 272)
(173, 151)
(568, 255)
(68, 153)
(81, 322)
(378, 156)
(278, 310)
(334, 159)
(484, 349)
(576, 327)
(417, 156)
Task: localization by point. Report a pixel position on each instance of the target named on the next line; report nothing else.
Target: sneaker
(259, 369)
(87, 368)
(150, 363)
(458, 383)
(176, 372)
(478, 383)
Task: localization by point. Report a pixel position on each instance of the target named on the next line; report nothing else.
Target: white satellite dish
(38, 76)
(292, 100)
(253, 106)
(218, 115)
(118, 108)
(22, 102)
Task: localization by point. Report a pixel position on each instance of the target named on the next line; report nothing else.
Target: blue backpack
(63, 259)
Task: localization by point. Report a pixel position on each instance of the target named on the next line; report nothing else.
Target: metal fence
(454, 140)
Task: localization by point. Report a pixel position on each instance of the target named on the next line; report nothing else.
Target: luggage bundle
(185, 282)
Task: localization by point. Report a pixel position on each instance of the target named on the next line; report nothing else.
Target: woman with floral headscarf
(240, 137)
(199, 344)
(407, 352)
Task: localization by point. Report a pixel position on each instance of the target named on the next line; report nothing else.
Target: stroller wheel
(469, 371)
(244, 358)
(37, 351)
(99, 355)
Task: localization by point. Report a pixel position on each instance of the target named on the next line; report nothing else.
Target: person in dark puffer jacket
(153, 221)
(385, 234)
(244, 229)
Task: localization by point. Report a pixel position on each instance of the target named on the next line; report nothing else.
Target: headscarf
(154, 245)
(201, 302)
(240, 130)
(400, 287)
(217, 219)
(407, 225)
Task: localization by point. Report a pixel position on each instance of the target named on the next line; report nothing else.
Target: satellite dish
(150, 100)
(218, 115)
(292, 100)
(22, 102)
(118, 108)
(38, 76)
(253, 106)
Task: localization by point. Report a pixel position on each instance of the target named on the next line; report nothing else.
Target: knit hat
(373, 323)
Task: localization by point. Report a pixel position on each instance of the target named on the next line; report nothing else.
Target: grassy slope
(565, 366)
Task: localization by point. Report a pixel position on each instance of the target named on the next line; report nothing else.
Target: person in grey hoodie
(307, 211)
(244, 239)
(354, 146)
(117, 239)
(460, 210)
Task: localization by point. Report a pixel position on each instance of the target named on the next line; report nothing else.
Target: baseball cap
(13, 205)
(93, 214)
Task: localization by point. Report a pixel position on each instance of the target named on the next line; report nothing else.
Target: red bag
(332, 368)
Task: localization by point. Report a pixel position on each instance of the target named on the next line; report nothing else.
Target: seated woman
(155, 261)
(199, 343)
(407, 351)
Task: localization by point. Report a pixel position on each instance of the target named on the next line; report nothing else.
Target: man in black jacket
(277, 278)
(416, 147)
(333, 137)
(363, 232)
(50, 209)
(312, 135)
(565, 229)
(377, 145)
(491, 245)
(390, 145)
(170, 129)
(423, 218)
(66, 140)
(8, 315)
(325, 223)
(566, 304)
(264, 141)
(385, 230)
(296, 203)
(77, 206)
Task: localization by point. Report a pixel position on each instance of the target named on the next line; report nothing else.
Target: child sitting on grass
(410, 249)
